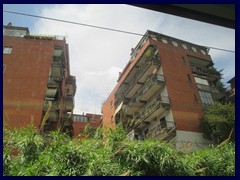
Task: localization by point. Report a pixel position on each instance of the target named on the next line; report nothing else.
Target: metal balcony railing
(204, 71)
(145, 65)
(208, 88)
(57, 61)
(51, 82)
(54, 106)
(159, 101)
(154, 79)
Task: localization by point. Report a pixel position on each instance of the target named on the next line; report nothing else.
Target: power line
(71, 22)
(94, 26)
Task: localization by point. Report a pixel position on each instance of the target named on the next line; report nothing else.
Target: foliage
(114, 155)
(218, 121)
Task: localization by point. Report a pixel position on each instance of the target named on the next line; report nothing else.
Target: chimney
(9, 24)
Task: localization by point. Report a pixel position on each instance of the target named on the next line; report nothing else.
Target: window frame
(7, 50)
(206, 97)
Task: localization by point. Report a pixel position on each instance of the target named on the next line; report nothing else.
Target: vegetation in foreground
(26, 153)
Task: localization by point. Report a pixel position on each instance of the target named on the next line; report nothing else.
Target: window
(164, 41)
(8, 32)
(14, 32)
(184, 46)
(7, 50)
(203, 52)
(80, 118)
(175, 43)
(163, 123)
(201, 81)
(194, 49)
(206, 98)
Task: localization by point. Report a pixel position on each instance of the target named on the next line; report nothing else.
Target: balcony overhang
(56, 73)
(57, 52)
(195, 61)
(69, 103)
(50, 94)
(146, 120)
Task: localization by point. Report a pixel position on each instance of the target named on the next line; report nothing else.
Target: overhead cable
(94, 26)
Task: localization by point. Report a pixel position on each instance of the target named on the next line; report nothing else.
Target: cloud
(96, 55)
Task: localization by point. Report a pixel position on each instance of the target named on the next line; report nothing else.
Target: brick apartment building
(81, 121)
(36, 80)
(162, 90)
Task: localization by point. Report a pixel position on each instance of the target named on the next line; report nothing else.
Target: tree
(217, 122)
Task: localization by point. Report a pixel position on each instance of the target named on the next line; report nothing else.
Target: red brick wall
(186, 111)
(79, 126)
(25, 80)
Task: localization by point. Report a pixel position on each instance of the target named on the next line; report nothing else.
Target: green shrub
(58, 155)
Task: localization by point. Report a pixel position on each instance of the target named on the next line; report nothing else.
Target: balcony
(211, 74)
(211, 89)
(143, 72)
(54, 106)
(52, 83)
(216, 94)
(163, 133)
(53, 116)
(152, 85)
(69, 103)
(56, 72)
(71, 86)
(57, 61)
(148, 60)
(157, 106)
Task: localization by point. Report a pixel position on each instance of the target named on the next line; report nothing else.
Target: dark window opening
(163, 123)
(184, 61)
(195, 97)
(189, 78)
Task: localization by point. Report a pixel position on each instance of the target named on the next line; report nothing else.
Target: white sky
(97, 56)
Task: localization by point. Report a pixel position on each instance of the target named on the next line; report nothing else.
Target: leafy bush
(218, 121)
(58, 155)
